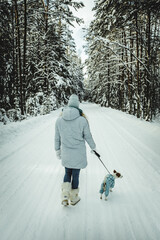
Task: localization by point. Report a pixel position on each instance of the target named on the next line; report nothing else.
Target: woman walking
(71, 132)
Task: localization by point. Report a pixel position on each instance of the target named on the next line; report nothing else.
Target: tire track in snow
(17, 188)
(133, 139)
(25, 184)
(26, 164)
(35, 221)
(27, 217)
(35, 135)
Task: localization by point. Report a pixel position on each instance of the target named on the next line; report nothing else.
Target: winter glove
(58, 154)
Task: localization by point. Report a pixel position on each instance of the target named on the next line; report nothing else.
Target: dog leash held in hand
(98, 155)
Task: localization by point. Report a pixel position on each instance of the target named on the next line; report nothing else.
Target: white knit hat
(73, 101)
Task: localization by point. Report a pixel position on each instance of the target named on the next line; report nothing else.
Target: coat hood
(73, 101)
(70, 113)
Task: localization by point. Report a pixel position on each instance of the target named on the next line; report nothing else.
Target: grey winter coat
(71, 132)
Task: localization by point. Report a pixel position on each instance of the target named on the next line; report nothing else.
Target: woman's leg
(74, 198)
(75, 178)
(66, 186)
(68, 174)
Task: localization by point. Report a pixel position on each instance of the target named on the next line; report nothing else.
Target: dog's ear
(118, 174)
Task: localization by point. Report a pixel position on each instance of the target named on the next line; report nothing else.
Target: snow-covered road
(31, 177)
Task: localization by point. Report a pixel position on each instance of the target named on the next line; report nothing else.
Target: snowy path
(31, 176)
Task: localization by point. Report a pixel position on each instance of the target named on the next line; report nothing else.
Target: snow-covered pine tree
(76, 66)
(63, 16)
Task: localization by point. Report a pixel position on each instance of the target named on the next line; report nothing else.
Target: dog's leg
(101, 190)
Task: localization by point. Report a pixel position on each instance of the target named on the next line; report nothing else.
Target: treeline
(123, 44)
(39, 68)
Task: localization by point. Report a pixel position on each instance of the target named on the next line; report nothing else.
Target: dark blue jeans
(72, 175)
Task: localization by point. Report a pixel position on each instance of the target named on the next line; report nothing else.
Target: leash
(99, 157)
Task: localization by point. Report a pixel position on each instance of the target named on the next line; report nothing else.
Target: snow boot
(74, 198)
(66, 188)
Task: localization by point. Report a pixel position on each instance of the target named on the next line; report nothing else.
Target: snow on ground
(31, 177)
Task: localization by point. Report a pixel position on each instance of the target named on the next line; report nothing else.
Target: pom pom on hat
(73, 101)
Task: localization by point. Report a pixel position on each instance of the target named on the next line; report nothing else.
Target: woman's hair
(83, 115)
(80, 112)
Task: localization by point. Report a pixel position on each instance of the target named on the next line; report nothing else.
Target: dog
(108, 183)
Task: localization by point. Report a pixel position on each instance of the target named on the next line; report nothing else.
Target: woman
(71, 132)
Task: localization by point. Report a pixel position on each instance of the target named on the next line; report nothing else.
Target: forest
(40, 67)
(124, 56)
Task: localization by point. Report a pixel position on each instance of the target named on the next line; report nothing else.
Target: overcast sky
(87, 14)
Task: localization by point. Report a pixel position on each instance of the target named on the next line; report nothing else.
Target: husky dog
(108, 183)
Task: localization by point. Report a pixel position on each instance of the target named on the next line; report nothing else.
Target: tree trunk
(123, 76)
(128, 82)
(19, 70)
(24, 51)
(46, 52)
(14, 75)
(138, 80)
(108, 94)
(148, 65)
(131, 78)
